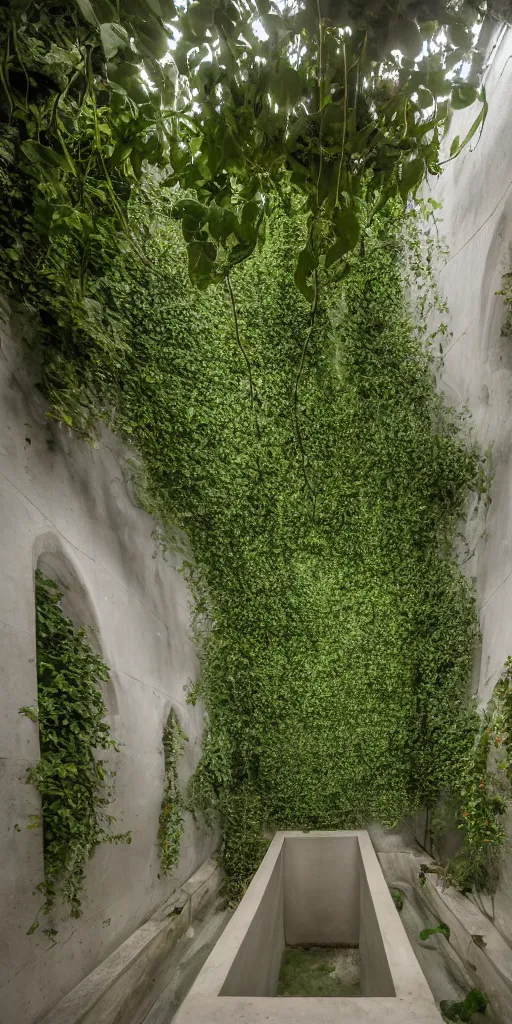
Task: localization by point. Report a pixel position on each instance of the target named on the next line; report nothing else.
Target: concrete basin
(321, 889)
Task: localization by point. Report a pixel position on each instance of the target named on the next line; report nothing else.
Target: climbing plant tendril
(75, 785)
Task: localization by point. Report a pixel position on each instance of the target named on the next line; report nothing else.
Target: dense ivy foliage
(75, 785)
(338, 637)
(484, 793)
(170, 822)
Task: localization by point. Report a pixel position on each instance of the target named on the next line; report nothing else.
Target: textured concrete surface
(476, 192)
(67, 506)
(318, 909)
(476, 954)
(236, 983)
(184, 965)
(130, 980)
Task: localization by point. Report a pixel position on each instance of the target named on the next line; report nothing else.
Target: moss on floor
(319, 971)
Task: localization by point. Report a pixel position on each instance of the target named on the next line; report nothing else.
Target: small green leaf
(398, 898)
(475, 1002)
(455, 146)
(440, 929)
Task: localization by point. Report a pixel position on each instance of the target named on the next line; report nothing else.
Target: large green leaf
(113, 38)
(164, 9)
(286, 86)
(348, 230)
(87, 11)
(412, 175)
(200, 17)
(151, 38)
(201, 260)
(192, 209)
(477, 123)
(44, 156)
(460, 35)
(307, 263)
(463, 96)
(425, 98)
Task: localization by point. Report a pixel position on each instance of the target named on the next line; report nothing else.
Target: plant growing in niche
(475, 1002)
(170, 822)
(74, 784)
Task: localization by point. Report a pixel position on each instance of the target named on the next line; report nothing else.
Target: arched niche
(56, 560)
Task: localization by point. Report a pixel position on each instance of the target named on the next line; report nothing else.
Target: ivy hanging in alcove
(75, 785)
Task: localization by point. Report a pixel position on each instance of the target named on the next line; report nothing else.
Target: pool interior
(320, 971)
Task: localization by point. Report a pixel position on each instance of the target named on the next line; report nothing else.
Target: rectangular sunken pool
(319, 893)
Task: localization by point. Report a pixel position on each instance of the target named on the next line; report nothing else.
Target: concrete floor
(184, 964)
(442, 968)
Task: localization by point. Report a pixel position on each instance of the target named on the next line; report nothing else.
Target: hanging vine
(232, 101)
(75, 785)
(170, 822)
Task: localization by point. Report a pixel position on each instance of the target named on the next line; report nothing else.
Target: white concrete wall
(321, 891)
(476, 192)
(70, 503)
(257, 962)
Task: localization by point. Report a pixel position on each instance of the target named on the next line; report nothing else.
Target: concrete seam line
(482, 225)
(495, 591)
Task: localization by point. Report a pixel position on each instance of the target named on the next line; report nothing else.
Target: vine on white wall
(74, 783)
(170, 823)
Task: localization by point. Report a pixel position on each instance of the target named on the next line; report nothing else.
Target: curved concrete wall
(65, 505)
(476, 192)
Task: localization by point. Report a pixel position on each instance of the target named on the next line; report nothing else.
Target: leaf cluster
(476, 1001)
(483, 792)
(75, 784)
(170, 822)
